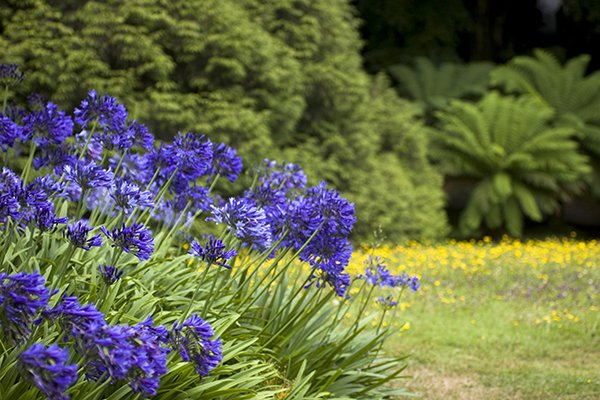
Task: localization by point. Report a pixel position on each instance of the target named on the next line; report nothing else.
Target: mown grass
(508, 320)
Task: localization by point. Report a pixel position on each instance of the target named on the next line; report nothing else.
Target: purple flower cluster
(246, 220)
(110, 274)
(87, 174)
(377, 274)
(213, 252)
(29, 204)
(22, 297)
(48, 369)
(128, 196)
(135, 354)
(77, 235)
(109, 121)
(321, 221)
(134, 239)
(9, 132)
(10, 74)
(193, 340)
(48, 126)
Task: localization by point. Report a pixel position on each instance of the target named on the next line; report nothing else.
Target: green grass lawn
(523, 324)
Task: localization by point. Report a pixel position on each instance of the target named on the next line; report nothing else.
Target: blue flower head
(48, 125)
(48, 369)
(134, 239)
(193, 340)
(226, 162)
(128, 196)
(9, 132)
(110, 274)
(248, 222)
(77, 234)
(108, 118)
(87, 174)
(213, 252)
(193, 154)
(10, 74)
(22, 297)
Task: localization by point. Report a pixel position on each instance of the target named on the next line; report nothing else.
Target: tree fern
(523, 166)
(433, 86)
(573, 95)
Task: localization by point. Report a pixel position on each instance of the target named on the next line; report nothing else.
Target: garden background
(461, 120)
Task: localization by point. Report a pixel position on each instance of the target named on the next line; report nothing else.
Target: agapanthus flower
(55, 157)
(9, 132)
(226, 162)
(110, 274)
(321, 221)
(213, 252)
(141, 136)
(193, 154)
(108, 118)
(128, 196)
(47, 185)
(134, 239)
(77, 234)
(377, 274)
(48, 369)
(387, 302)
(22, 297)
(134, 354)
(72, 317)
(45, 218)
(48, 125)
(10, 74)
(10, 194)
(87, 174)
(160, 161)
(193, 340)
(248, 222)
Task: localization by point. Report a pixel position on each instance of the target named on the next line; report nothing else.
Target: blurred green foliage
(270, 78)
(520, 165)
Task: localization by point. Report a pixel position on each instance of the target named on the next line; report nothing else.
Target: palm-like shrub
(523, 166)
(434, 85)
(574, 97)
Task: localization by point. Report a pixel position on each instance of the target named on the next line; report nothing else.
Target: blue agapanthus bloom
(134, 354)
(48, 125)
(87, 174)
(248, 222)
(377, 274)
(22, 297)
(320, 223)
(128, 196)
(387, 302)
(77, 234)
(193, 154)
(72, 317)
(48, 369)
(10, 195)
(9, 132)
(193, 340)
(135, 239)
(10, 74)
(213, 252)
(44, 217)
(110, 274)
(226, 162)
(108, 118)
